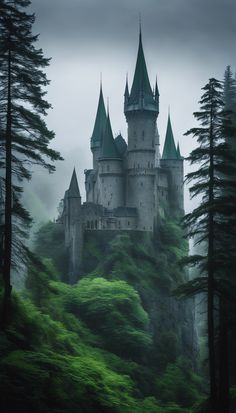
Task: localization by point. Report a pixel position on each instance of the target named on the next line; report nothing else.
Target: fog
(185, 43)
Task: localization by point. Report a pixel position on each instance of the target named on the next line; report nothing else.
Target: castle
(130, 185)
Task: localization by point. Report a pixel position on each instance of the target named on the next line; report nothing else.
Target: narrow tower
(141, 108)
(72, 220)
(172, 161)
(111, 178)
(98, 130)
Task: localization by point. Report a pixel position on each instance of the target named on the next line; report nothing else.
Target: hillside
(118, 341)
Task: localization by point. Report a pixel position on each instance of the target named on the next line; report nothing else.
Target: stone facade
(130, 184)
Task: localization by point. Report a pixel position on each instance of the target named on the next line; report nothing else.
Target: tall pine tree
(25, 137)
(212, 223)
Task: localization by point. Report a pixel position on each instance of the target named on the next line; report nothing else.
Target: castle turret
(141, 109)
(72, 219)
(111, 178)
(98, 130)
(172, 161)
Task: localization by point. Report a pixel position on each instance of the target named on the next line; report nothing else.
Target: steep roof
(121, 145)
(109, 149)
(141, 95)
(141, 84)
(73, 190)
(100, 122)
(178, 152)
(169, 151)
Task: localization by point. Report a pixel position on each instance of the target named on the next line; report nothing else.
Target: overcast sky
(185, 43)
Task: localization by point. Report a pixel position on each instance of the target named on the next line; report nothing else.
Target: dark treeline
(24, 134)
(103, 345)
(213, 226)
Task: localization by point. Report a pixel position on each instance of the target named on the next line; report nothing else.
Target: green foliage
(46, 368)
(113, 310)
(178, 386)
(49, 243)
(104, 344)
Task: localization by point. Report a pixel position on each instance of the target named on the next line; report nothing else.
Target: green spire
(141, 95)
(126, 94)
(141, 84)
(100, 122)
(73, 190)
(121, 145)
(169, 151)
(109, 149)
(178, 152)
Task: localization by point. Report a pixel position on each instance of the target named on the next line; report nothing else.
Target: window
(108, 168)
(128, 223)
(96, 224)
(88, 224)
(143, 134)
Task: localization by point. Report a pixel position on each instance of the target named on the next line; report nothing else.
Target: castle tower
(172, 161)
(98, 130)
(141, 108)
(72, 219)
(111, 178)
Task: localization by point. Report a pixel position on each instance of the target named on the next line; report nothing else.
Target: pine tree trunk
(6, 307)
(210, 304)
(223, 359)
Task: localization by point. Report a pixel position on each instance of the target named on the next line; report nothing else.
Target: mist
(185, 43)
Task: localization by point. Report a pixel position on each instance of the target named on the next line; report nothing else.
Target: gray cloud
(114, 21)
(185, 42)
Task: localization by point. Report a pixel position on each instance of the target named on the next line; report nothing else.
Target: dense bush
(111, 343)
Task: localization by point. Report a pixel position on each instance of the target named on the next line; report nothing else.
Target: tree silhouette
(25, 137)
(213, 221)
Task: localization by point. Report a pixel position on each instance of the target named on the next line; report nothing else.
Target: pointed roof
(178, 152)
(100, 122)
(120, 144)
(157, 94)
(73, 190)
(126, 94)
(169, 151)
(141, 82)
(141, 94)
(109, 149)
